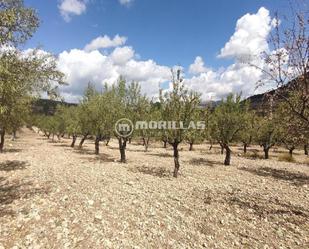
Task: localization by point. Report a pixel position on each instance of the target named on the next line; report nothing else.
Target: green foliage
(17, 23)
(229, 120)
(178, 105)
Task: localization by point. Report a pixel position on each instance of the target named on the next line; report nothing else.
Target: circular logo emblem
(124, 127)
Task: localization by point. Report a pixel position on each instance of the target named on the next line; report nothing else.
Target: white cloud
(250, 37)
(122, 54)
(81, 66)
(198, 66)
(105, 42)
(126, 2)
(69, 8)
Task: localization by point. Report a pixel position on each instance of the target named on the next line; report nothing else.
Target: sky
(99, 40)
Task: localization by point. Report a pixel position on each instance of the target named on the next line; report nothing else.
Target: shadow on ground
(297, 179)
(99, 158)
(12, 165)
(160, 154)
(11, 150)
(154, 171)
(203, 162)
(11, 191)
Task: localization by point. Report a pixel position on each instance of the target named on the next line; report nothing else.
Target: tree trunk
(210, 147)
(107, 141)
(82, 141)
(164, 144)
(266, 152)
(144, 141)
(227, 160)
(14, 135)
(176, 160)
(130, 140)
(291, 150)
(306, 149)
(191, 147)
(146, 144)
(97, 144)
(245, 148)
(122, 149)
(2, 134)
(73, 141)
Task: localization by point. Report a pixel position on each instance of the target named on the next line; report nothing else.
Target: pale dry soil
(53, 196)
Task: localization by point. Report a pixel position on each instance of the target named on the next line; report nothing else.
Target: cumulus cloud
(126, 2)
(198, 66)
(90, 64)
(250, 36)
(81, 67)
(122, 54)
(105, 42)
(69, 8)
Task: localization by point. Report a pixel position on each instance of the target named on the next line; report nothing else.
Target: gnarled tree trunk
(245, 147)
(176, 159)
(191, 147)
(266, 152)
(122, 148)
(291, 150)
(74, 137)
(227, 160)
(82, 141)
(97, 144)
(164, 144)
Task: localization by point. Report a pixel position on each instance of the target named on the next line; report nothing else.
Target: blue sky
(170, 32)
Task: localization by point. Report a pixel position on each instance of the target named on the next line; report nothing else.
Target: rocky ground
(53, 196)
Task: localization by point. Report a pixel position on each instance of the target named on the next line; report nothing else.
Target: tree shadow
(160, 154)
(11, 150)
(203, 162)
(154, 171)
(84, 151)
(297, 179)
(270, 208)
(99, 158)
(12, 165)
(11, 191)
(61, 145)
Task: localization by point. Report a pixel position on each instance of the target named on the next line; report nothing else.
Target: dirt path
(52, 196)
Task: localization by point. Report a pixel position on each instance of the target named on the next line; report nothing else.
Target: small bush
(287, 158)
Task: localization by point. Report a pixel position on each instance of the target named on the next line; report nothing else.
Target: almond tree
(178, 105)
(228, 121)
(196, 136)
(268, 134)
(287, 66)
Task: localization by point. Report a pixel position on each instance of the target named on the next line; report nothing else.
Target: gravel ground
(53, 196)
